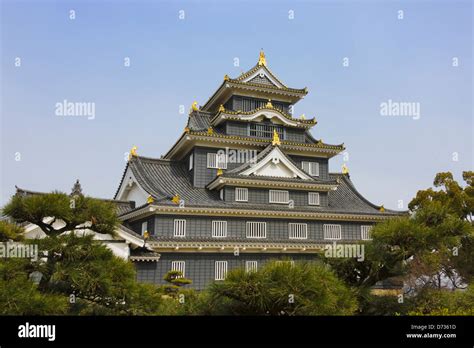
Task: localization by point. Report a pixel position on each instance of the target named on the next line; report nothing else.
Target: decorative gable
(276, 164)
(265, 77)
(262, 79)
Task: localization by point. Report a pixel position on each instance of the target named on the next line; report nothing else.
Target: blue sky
(174, 62)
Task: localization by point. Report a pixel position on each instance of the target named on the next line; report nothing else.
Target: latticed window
(179, 228)
(278, 196)
(220, 270)
(313, 198)
(312, 168)
(298, 231)
(332, 232)
(265, 130)
(256, 230)
(241, 194)
(365, 232)
(251, 266)
(178, 266)
(219, 228)
(215, 160)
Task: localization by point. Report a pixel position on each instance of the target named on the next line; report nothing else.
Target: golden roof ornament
(150, 200)
(186, 129)
(261, 59)
(221, 108)
(219, 172)
(382, 209)
(194, 106)
(302, 117)
(276, 138)
(133, 152)
(345, 170)
(226, 77)
(175, 199)
(269, 104)
(210, 131)
(146, 235)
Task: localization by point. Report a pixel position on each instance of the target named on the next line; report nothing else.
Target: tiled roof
(165, 178)
(347, 198)
(199, 120)
(143, 254)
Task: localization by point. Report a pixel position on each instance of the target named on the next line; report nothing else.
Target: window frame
(242, 189)
(222, 269)
(332, 225)
(218, 223)
(176, 223)
(278, 191)
(256, 231)
(313, 194)
(310, 167)
(301, 224)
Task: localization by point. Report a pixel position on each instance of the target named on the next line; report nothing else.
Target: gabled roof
(248, 173)
(271, 153)
(260, 74)
(264, 112)
(199, 120)
(163, 179)
(258, 79)
(172, 177)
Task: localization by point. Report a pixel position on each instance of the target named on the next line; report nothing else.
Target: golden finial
(194, 106)
(175, 199)
(261, 59)
(210, 131)
(345, 170)
(133, 152)
(303, 117)
(320, 141)
(276, 138)
(186, 129)
(269, 104)
(221, 108)
(219, 172)
(382, 209)
(146, 235)
(226, 77)
(150, 200)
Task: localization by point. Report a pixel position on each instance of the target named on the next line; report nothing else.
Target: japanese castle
(244, 183)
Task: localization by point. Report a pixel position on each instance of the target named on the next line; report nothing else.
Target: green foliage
(176, 281)
(75, 211)
(281, 289)
(20, 296)
(437, 241)
(378, 305)
(10, 231)
(433, 302)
